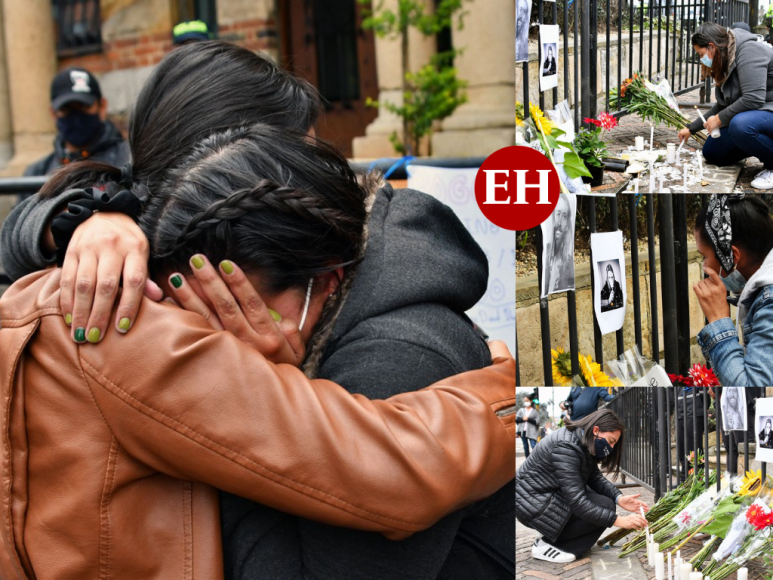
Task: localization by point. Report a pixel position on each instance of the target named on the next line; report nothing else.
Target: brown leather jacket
(111, 453)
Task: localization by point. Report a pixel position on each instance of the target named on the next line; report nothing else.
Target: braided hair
(273, 201)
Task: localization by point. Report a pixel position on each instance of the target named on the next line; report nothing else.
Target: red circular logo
(517, 188)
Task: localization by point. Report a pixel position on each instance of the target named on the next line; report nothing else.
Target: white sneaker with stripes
(544, 551)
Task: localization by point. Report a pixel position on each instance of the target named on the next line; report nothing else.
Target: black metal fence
(672, 222)
(664, 26)
(649, 414)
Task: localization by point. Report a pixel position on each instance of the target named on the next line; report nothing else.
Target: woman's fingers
(188, 299)
(153, 291)
(67, 286)
(499, 349)
(85, 283)
(135, 279)
(109, 270)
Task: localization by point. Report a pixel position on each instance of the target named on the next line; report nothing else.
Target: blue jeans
(526, 445)
(750, 134)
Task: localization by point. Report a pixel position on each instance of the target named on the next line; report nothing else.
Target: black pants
(698, 414)
(579, 535)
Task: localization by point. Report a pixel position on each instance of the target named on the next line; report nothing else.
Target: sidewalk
(599, 564)
(631, 125)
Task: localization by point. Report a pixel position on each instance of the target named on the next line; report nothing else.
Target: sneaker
(544, 551)
(763, 180)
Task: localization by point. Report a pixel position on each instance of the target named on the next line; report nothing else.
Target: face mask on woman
(706, 60)
(603, 448)
(734, 282)
(527, 403)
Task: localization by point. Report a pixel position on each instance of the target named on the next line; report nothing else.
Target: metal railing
(647, 413)
(672, 221)
(78, 27)
(669, 23)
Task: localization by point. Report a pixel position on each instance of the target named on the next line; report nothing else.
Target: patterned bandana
(719, 228)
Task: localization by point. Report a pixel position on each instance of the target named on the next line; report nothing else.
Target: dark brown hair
(606, 420)
(708, 32)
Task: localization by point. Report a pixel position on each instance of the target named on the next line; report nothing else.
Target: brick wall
(146, 50)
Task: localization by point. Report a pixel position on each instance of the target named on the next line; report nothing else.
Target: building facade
(121, 41)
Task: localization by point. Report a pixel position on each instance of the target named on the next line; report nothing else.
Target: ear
(596, 431)
(329, 282)
(736, 254)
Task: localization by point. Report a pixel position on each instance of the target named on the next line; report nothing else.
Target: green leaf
(720, 525)
(564, 144)
(557, 132)
(574, 166)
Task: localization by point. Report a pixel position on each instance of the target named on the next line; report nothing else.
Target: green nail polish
(80, 335)
(68, 319)
(275, 315)
(198, 262)
(94, 335)
(176, 281)
(227, 267)
(124, 324)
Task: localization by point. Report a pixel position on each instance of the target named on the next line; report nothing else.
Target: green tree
(433, 92)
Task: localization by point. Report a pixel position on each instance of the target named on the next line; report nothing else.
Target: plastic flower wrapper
(631, 369)
(698, 511)
(755, 545)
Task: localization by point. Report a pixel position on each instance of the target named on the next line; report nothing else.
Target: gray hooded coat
(749, 82)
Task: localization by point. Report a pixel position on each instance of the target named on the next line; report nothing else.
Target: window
(336, 30)
(78, 27)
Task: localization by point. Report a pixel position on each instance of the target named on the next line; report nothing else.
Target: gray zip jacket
(531, 431)
(749, 83)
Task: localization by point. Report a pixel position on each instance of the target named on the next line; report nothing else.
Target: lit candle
(650, 555)
(670, 573)
(639, 143)
(652, 137)
(685, 571)
(743, 573)
(659, 567)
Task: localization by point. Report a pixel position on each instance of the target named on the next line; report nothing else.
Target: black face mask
(79, 128)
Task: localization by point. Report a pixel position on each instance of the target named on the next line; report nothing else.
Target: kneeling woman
(561, 493)
(734, 234)
(742, 68)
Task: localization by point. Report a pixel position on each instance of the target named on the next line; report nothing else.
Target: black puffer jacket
(550, 485)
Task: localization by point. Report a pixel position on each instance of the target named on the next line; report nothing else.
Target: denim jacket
(750, 365)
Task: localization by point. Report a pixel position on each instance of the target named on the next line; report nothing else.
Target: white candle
(670, 573)
(650, 556)
(743, 573)
(652, 138)
(696, 576)
(639, 143)
(659, 567)
(700, 166)
(684, 177)
(685, 571)
(636, 185)
(660, 190)
(670, 153)
(677, 567)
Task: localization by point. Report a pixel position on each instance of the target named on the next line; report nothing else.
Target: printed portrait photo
(550, 56)
(611, 292)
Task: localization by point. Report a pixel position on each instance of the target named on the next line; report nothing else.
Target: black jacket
(401, 328)
(550, 486)
(109, 147)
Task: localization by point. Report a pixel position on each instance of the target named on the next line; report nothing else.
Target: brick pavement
(527, 568)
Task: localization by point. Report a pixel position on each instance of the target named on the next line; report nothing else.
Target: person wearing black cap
(83, 130)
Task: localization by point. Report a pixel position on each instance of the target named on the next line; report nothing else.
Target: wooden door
(323, 42)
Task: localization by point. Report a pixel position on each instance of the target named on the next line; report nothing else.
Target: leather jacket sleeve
(567, 464)
(199, 404)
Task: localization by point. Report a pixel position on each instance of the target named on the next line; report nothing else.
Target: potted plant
(590, 146)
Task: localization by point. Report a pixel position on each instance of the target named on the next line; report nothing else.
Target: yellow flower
(562, 367)
(593, 374)
(539, 119)
(751, 483)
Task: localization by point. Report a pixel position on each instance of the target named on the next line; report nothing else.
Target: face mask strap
(306, 305)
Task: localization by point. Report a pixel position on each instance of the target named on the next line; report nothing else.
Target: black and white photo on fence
(609, 283)
(734, 409)
(763, 424)
(522, 17)
(558, 247)
(548, 37)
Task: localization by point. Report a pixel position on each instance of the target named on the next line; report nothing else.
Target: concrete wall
(528, 317)
(649, 46)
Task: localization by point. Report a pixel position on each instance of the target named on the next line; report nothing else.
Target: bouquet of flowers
(590, 375)
(639, 96)
(697, 376)
(590, 142)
